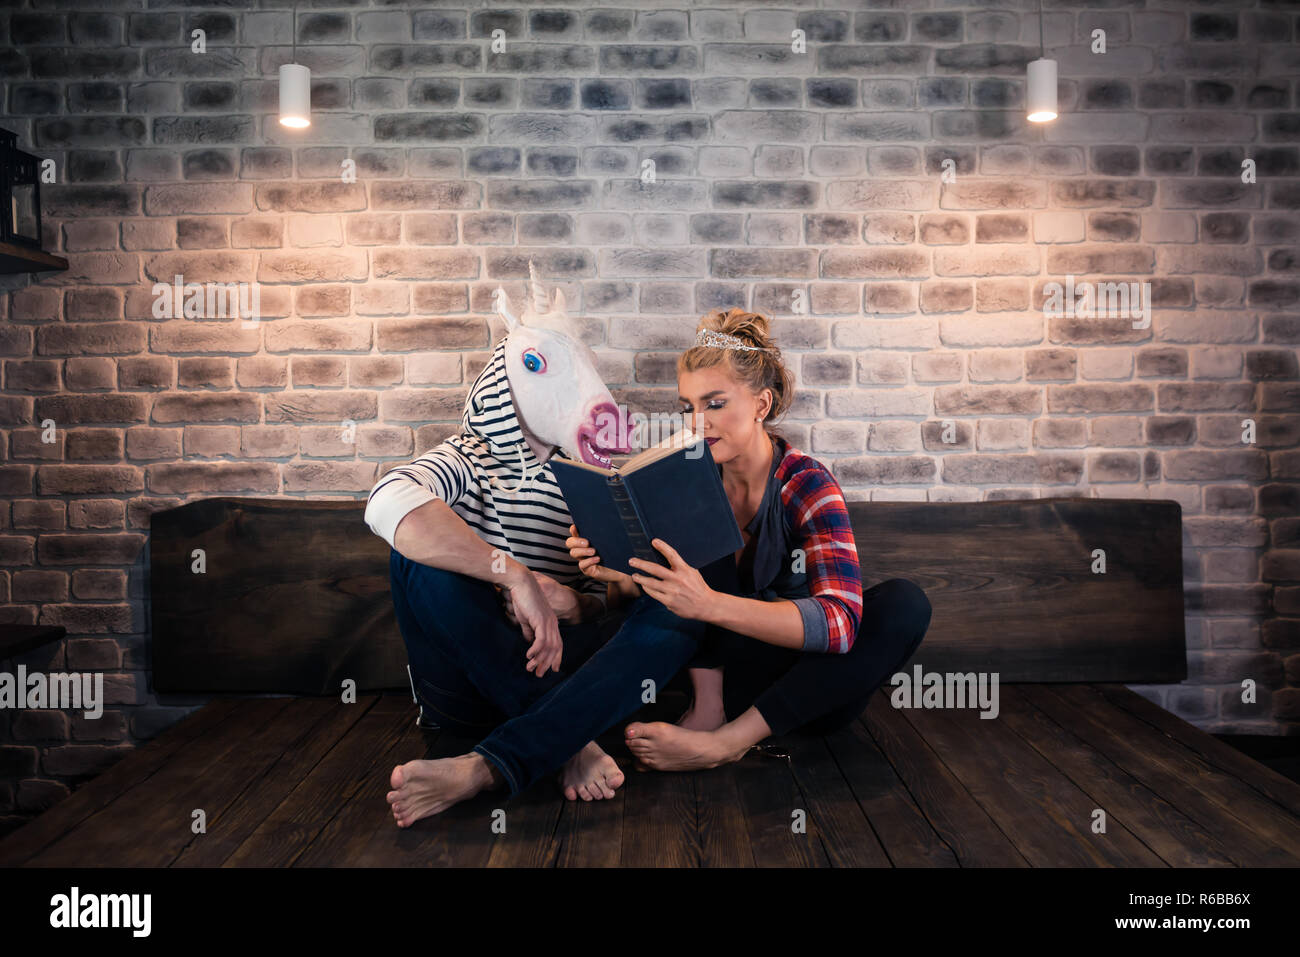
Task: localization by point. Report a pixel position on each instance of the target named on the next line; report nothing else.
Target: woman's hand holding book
(680, 587)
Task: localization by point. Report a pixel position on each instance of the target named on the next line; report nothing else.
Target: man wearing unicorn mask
(479, 522)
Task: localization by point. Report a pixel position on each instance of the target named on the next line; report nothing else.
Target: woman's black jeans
(815, 692)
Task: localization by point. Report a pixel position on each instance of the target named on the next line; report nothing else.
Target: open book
(671, 491)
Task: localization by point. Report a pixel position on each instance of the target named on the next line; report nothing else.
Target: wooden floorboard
(721, 836)
(1040, 810)
(901, 828)
(299, 818)
(1177, 839)
(955, 816)
(323, 722)
(100, 791)
(845, 833)
(1211, 750)
(205, 775)
(303, 782)
(659, 821)
(770, 797)
(1251, 835)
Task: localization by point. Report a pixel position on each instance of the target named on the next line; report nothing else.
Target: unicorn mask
(558, 395)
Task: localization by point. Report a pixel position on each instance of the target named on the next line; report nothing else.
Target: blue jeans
(467, 667)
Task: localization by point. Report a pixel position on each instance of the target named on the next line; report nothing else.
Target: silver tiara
(724, 340)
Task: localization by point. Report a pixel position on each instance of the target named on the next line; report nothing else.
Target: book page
(672, 443)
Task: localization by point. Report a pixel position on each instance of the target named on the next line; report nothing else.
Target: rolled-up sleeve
(441, 473)
(832, 611)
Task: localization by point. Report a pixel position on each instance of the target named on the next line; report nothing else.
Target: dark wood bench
(294, 601)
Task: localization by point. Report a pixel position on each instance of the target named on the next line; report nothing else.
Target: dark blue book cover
(677, 496)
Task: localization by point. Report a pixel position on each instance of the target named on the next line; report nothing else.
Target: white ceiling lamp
(1041, 96)
(295, 88)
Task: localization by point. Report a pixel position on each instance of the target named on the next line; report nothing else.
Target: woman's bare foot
(668, 747)
(423, 788)
(591, 774)
(706, 712)
(703, 716)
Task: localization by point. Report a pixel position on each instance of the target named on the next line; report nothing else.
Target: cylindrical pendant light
(295, 95)
(295, 88)
(1041, 95)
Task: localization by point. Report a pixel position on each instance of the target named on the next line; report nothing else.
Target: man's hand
(528, 606)
(564, 601)
(679, 587)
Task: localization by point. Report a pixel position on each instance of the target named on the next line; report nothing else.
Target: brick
(874, 264)
(1100, 398)
(944, 229)
(312, 197)
(1122, 260)
(969, 400)
(1105, 192)
(967, 194)
(198, 198)
(889, 228)
(1200, 466)
(1058, 227)
(896, 298)
(1014, 260)
(1001, 295)
(318, 266)
(1001, 227)
(1041, 469)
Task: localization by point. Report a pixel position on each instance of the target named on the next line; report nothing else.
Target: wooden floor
(301, 782)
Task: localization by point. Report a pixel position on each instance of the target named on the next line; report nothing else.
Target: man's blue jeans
(467, 666)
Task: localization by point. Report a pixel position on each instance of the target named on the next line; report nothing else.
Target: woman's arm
(775, 622)
(827, 620)
(832, 611)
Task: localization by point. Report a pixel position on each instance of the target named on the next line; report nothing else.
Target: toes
(397, 778)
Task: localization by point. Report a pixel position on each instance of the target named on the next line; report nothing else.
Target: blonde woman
(799, 644)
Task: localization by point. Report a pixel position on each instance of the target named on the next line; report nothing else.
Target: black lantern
(20, 215)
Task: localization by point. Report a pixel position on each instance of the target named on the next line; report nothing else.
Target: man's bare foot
(703, 716)
(423, 788)
(591, 774)
(667, 747)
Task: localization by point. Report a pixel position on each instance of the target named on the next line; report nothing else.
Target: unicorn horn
(539, 294)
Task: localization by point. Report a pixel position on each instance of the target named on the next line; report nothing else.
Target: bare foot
(423, 788)
(667, 747)
(702, 717)
(591, 774)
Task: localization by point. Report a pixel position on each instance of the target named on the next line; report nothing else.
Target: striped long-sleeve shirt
(477, 474)
(803, 549)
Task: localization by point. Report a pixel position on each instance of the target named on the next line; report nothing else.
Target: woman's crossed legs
(777, 690)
